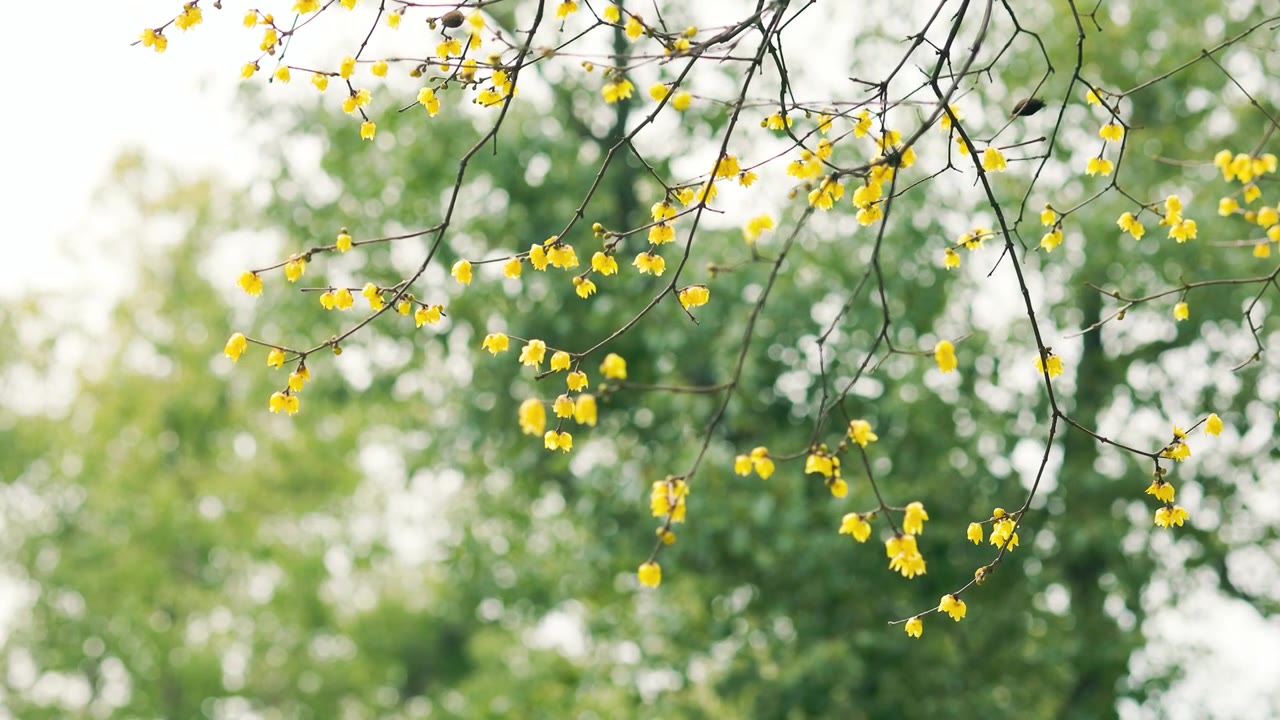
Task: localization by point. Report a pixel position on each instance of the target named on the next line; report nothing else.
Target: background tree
(398, 547)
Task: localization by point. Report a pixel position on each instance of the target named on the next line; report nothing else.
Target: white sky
(79, 94)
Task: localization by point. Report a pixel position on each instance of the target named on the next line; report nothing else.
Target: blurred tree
(399, 549)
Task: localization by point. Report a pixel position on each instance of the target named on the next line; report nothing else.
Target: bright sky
(84, 94)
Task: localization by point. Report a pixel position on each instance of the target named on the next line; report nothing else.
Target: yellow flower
(379, 68)
(343, 243)
(1098, 166)
(944, 122)
(616, 90)
(953, 606)
(1002, 533)
(566, 8)
(1170, 516)
(393, 20)
(762, 462)
(584, 410)
(658, 91)
(1213, 425)
(869, 215)
(1161, 490)
(346, 67)
(856, 526)
(1181, 311)
(562, 256)
(583, 287)
(680, 101)
(426, 315)
(283, 401)
(560, 360)
(1051, 240)
(235, 347)
(614, 367)
(367, 130)
(538, 257)
(495, 343)
(294, 269)
(950, 259)
(1091, 97)
(839, 488)
(342, 299)
(650, 574)
(647, 262)
(604, 264)
(756, 226)
(532, 416)
(1262, 250)
(1251, 193)
(1227, 206)
(667, 498)
(777, 121)
(576, 380)
(825, 195)
(1129, 224)
(327, 300)
(275, 358)
(1267, 217)
(302, 7)
(993, 160)
(154, 40)
(563, 406)
(634, 28)
(462, 272)
(818, 462)
(611, 14)
(945, 354)
(1048, 216)
(554, 440)
(250, 283)
(866, 195)
(427, 98)
(248, 69)
(727, 166)
(904, 556)
(694, 296)
(320, 81)
(661, 233)
(913, 518)
(533, 353)
(1178, 450)
(742, 465)
(1111, 131)
(282, 73)
(974, 533)
(373, 295)
(298, 378)
(1054, 365)
(860, 432)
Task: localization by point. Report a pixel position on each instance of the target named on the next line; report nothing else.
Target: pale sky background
(79, 94)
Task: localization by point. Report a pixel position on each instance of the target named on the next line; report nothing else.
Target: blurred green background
(399, 550)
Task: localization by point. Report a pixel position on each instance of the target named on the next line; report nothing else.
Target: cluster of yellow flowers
(971, 241)
(1246, 170)
(821, 182)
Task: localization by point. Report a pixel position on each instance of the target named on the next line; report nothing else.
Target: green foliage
(399, 549)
